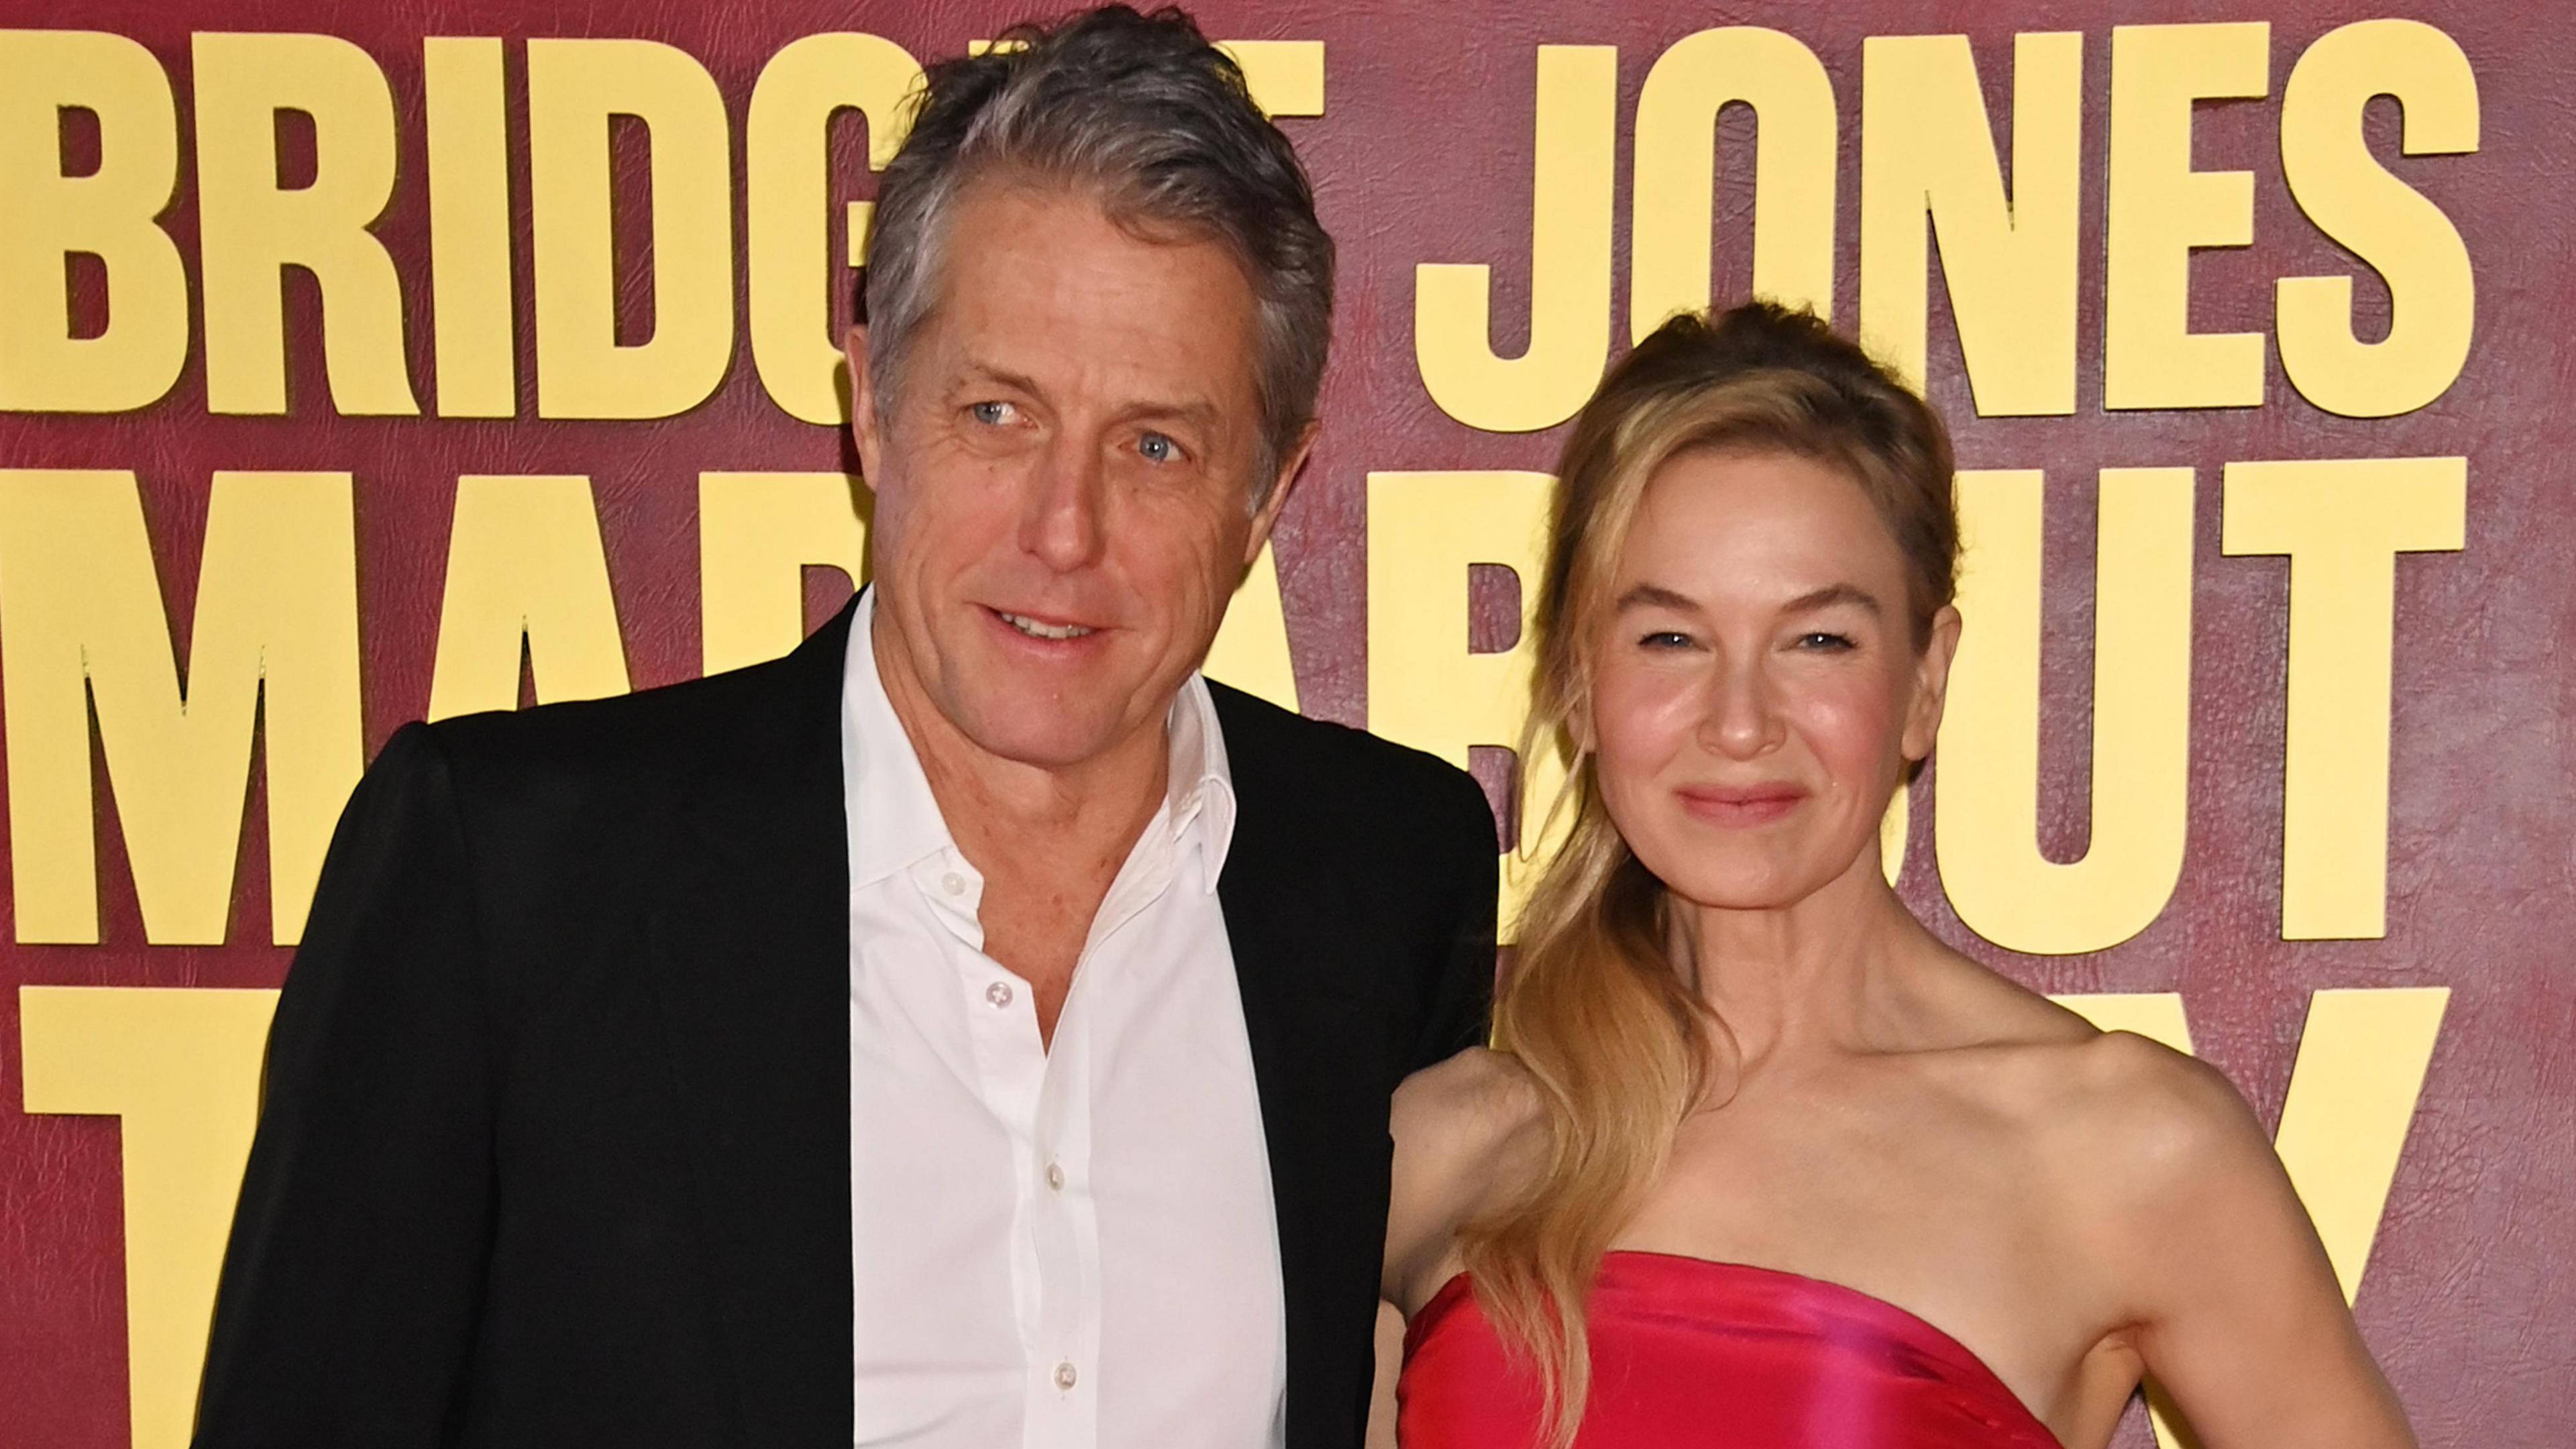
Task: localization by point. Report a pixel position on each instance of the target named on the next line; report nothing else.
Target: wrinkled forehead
(1046, 277)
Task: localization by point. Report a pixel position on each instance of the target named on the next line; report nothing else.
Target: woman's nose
(1742, 719)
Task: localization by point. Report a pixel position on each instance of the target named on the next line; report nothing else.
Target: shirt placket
(1037, 1098)
(1063, 1232)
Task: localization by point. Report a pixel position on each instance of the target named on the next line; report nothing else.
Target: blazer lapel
(751, 948)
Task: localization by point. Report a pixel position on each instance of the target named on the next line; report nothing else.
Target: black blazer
(555, 1143)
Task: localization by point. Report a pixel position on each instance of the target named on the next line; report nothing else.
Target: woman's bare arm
(2238, 1313)
(1460, 1130)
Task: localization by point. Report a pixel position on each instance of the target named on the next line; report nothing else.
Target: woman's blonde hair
(1616, 1043)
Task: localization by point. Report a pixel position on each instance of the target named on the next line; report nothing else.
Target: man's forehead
(1024, 298)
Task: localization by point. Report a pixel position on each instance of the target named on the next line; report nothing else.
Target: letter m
(82, 623)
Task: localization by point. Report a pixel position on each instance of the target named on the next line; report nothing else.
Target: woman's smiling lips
(1744, 805)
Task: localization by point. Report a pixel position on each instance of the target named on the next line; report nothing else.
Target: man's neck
(1104, 800)
(1048, 840)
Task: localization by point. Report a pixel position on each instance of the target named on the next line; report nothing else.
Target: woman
(1756, 1161)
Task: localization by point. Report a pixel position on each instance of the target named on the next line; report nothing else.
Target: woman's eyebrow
(1832, 594)
(1654, 596)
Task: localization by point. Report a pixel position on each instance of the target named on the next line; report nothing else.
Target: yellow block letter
(2407, 239)
(2343, 523)
(1986, 813)
(787, 189)
(1425, 531)
(106, 214)
(276, 630)
(757, 534)
(524, 562)
(2161, 209)
(180, 1067)
(1569, 332)
(1251, 648)
(2352, 1096)
(1285, 77)
(1793, 171)
(469, 228)
(1926, 147)
(252, 229)
(574, 87)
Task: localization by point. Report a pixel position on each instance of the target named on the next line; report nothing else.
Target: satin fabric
(1687, 1351)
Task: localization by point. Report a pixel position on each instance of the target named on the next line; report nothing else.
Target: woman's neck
(1810, 976)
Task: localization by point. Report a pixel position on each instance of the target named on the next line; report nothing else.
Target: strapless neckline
(1630, 1275)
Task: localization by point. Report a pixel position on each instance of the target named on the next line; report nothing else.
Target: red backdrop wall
(1423, 154)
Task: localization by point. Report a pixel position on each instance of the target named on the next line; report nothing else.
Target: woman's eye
(1157, 448)
(1819, 639)
(992, 414)
(1665, 639)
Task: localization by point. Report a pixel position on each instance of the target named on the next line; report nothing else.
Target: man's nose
(1743, 717)
(1063, 524)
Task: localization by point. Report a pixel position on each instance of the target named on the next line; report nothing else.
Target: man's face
(1064, 478)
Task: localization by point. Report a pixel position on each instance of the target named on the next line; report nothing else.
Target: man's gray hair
(1153, 121)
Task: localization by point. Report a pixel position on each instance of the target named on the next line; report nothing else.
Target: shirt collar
(887, 789)
(1199, 788)
(894, 819)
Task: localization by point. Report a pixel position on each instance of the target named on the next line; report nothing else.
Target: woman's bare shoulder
(1460, 1123)
(2174, 1117)
(1478, 1089)
(2146, 1142)
(1469, 1134)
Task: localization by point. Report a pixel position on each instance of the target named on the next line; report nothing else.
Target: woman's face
(1756, 692)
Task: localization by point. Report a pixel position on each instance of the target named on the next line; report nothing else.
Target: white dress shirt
(1057, 1249)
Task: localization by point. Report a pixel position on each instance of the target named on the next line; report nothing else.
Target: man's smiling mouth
(1040, 629)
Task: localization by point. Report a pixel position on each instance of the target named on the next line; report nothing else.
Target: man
(972, 1029)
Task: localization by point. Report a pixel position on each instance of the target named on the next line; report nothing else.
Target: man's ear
(1266, 517)
(866, 431)
(1931, 684)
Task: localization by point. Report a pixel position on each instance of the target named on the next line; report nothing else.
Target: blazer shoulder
(600, 737)
(601, 749)
(592, 769)
(655, 739)
(1343, 769)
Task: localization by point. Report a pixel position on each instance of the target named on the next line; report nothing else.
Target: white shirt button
(999, 993)
(1064, 1376)
(953, 883)
(1055, 1177)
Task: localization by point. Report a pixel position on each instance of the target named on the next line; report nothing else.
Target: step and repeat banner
(362, 363)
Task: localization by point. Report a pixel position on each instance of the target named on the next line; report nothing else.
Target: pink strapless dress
(1686, 1351)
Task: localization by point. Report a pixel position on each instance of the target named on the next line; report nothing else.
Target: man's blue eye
(1157, 448)
(992, 414)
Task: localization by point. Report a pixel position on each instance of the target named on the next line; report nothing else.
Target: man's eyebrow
(1653, 596)
(976, 370)
(1197, 412)
(1832, 594)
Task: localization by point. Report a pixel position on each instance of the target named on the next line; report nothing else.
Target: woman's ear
(1579, 729)
(1931, 684)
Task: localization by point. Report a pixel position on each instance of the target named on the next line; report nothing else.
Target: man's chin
(1045, 733)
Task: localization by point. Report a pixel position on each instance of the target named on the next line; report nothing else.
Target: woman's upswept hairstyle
(1617, 1045)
